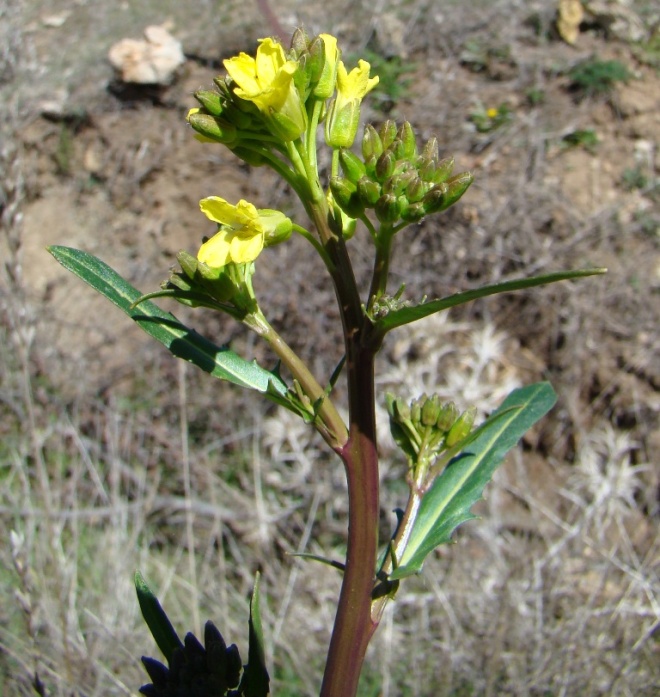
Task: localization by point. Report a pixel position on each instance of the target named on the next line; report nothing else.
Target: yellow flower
(244, 231)
(267, 82)
(344, 116)
(492, 112)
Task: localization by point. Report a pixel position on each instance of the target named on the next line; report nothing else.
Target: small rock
(616, 18)
(570, 15)
(152, 61)
(55, 21)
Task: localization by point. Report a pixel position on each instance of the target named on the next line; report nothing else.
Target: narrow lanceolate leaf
(448, 502)
(158, 622)
(255, 681)
(405, 315)
(183, 342)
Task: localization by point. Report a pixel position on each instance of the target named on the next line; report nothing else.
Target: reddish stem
(353, 626)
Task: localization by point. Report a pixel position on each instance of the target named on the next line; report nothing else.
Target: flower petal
(216, 251)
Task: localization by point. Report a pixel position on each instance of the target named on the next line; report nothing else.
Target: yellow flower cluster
(271, 95)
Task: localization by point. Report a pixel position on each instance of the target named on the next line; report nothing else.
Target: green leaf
(448, 502)
(180, 340)
(255, 681)
(406, 315)
(158, 622)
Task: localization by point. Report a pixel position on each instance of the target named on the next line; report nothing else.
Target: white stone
(153, 60)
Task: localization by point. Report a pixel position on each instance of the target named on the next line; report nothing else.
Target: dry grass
(555, 591)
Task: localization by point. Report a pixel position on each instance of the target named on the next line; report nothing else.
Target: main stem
(353, 626)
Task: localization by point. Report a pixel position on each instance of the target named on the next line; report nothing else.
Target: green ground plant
(594, 77)
(268, 110)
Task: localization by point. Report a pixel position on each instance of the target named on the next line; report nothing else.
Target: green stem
(331, 425)
(381, 264)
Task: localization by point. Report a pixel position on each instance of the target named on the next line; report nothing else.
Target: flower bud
(462, 427)
(416, 409)
(210, 100)
(407, 138)
(443, 169)
(352, 165)
(387, 133)
(369, 191)
(299, 41)
(346, 196)
(430, 151)
(277, 226)
(211, 127)
(445, 194)
(398, 183)
(372, 145)
(387, 208)
(413, 212)
(448, 415)
(385, 166)
(325, 46)
(416, 190)
(430, 411)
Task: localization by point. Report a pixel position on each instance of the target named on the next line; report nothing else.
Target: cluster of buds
(426, 428)
(400, 184)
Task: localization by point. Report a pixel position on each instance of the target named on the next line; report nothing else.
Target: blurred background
(114, 457)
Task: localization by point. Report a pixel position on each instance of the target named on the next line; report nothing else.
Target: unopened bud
(413, 212)
(385, 166)
(387, 133)
(346, 196)
(352, 165)
(456, 187)
(211, 127)
(416, 190)
(406, 136)
(416, 409)
(448, 415)
(430, 411)
(387, 208)
(430, 151)
(398, 183)
(299, 41)
(369, 191)
(462, 427)
(372, 145)
(210, 100)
